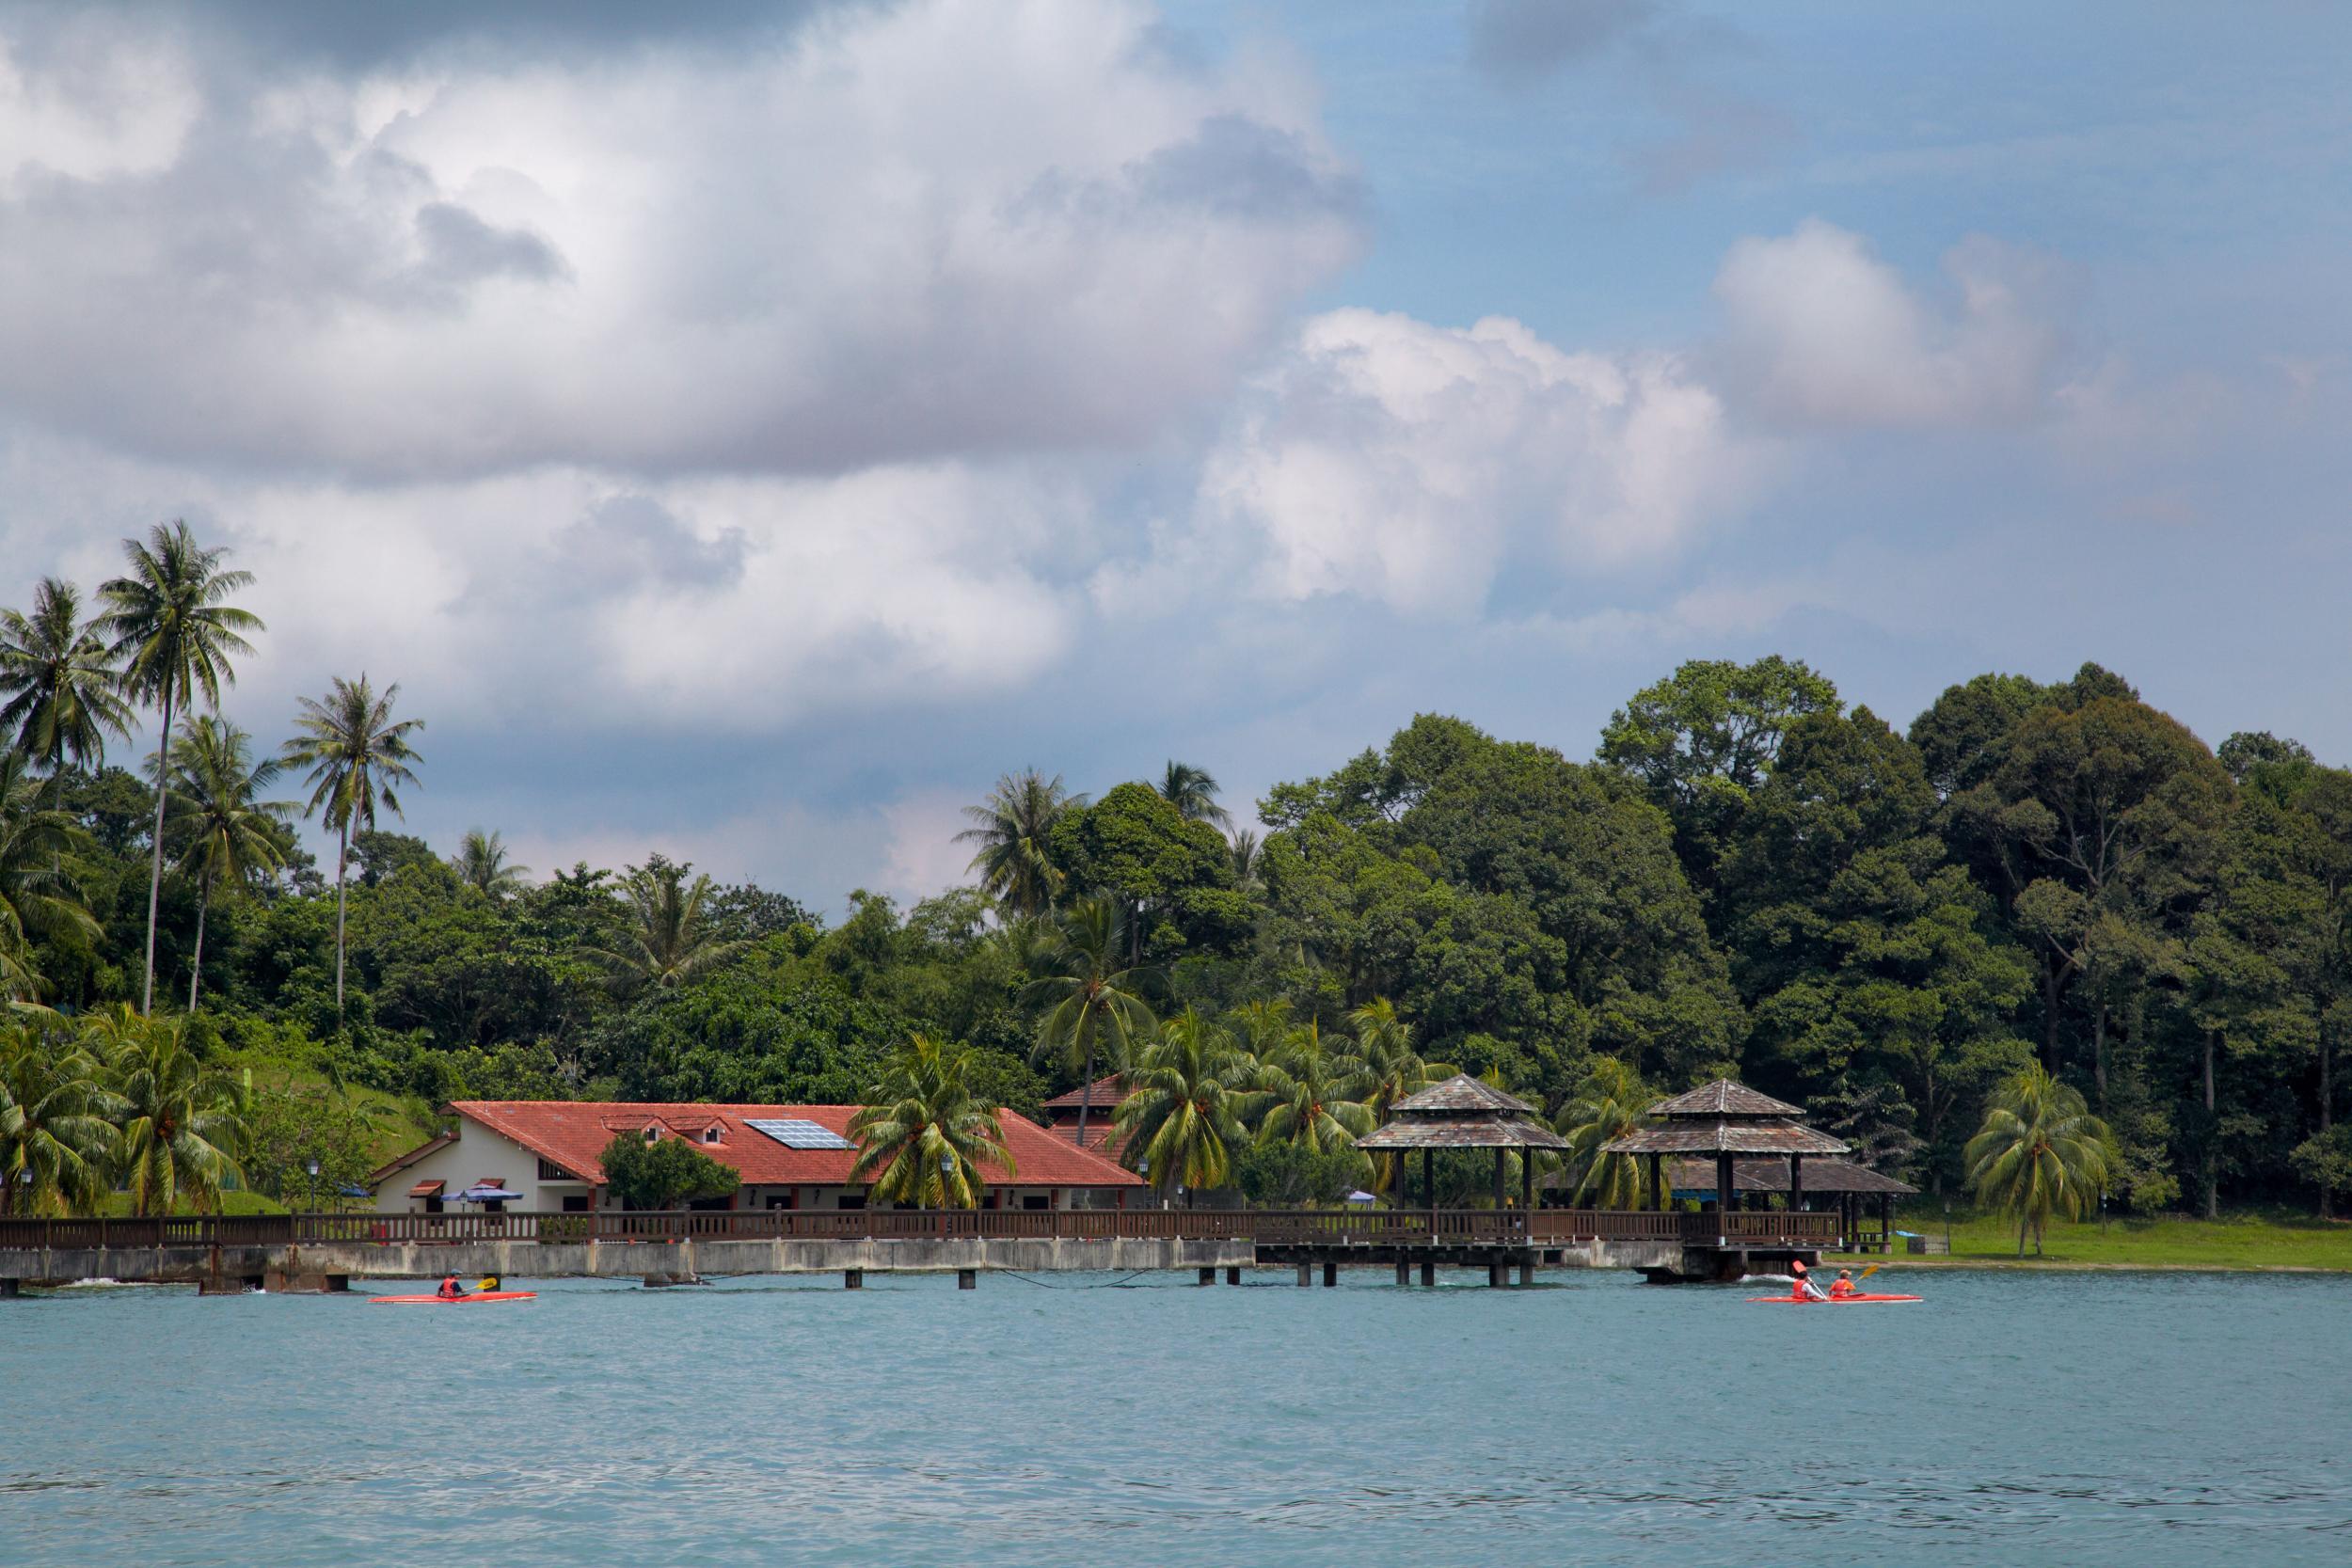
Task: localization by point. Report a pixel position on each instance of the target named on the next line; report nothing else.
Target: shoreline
(2058, 1265)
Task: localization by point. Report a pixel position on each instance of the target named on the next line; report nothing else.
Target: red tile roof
(1106, 1092)
(1102, 1134)
(573, 1133)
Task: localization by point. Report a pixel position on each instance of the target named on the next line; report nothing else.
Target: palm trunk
(155, 874)
(343, 860)
(1086, 1091)
(196, 969)
(2021, 1223)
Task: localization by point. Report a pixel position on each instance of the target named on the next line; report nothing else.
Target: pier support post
(1429, 1270)
(1232, 1274)
(1330, 1274)
(853, 1279)
(1208, 1277)
(967, 1279)
(9, 1288)
(1527, 1271)
(1306, 1274)
(1403, 1272)
(1498, 1274)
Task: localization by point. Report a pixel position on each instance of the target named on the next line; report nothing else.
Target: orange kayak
(451, 1301)
(1833, 1301)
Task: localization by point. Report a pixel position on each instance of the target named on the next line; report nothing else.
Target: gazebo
(1461, 1113)
(1851, 1185)
(1727, 1120)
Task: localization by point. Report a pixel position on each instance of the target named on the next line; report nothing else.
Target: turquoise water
(2147, 1419)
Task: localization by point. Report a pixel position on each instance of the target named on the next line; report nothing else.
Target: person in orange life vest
(450, 1290)
(1843, 1285)
(1803, 1288)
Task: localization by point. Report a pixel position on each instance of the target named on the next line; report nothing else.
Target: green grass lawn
(2273, 1239)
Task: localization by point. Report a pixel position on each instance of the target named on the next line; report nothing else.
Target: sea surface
(2129, 1418)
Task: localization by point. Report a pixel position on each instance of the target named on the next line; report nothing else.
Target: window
(575, 1204)
(710, 1134)
(551, 1171)
(653, 1134)
(852, 1200)
(1037, 1201)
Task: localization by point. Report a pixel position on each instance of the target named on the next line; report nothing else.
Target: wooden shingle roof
(1693, 1136)
(1491, 1130)
(1723, 1097)
(1771, 1175)
(1462, 1095)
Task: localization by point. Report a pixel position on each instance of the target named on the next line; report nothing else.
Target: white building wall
(480, 1153)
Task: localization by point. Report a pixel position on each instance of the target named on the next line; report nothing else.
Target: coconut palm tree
(481, 865)
(2040, 1152)
(357, 756)
(226, 838)
(1182, 1120)
(927, 1133)
(1309, 1088)
(669, 937)
(174, 637)
(1093, 1002)
(180, 1122)
(1011, 829)
(1393, 1071)
(1611, 1103)
(63, 692)
(1248, 875)
(56, 1139)
(1193, 792)
(39, 894)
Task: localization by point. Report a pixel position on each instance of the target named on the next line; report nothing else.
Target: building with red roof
(1100, 1099)
(546, 1153)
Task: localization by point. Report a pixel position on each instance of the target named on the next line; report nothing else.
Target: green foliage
(1293, 1176)
(1175, 875)
(291, 1126)
(2040, 1152)
(925, 1135)
(1182, 1120)
(666, 1173)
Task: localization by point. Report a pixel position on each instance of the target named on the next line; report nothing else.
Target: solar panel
(795, 1134)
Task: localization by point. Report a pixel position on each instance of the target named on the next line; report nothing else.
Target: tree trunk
(196, 970)
(2021, 1223)
(2213, 1133)
(2099, 1052)
(2053, 989)
(342, 862)
(1086, 1091)
(2327, 1115)
(155, 873)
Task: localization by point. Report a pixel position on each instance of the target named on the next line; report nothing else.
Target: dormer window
(653, 1134)
(710, 1134)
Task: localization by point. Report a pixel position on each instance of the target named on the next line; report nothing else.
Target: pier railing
(1336, 1228)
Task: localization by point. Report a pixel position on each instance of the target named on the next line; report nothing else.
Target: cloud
(1819, 332)
(796, 255)
(1518, 41)
(1387, 457)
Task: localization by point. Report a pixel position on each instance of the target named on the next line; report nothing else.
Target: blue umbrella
(487, 1192)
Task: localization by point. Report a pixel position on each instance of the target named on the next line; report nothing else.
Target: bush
(664, 1174)
(1286, 1176)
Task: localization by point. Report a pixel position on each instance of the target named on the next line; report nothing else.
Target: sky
(744, 431)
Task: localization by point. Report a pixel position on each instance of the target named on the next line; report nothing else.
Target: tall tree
(1393, 1069)
(57, 1141)
(1093, 998)
(1700, 742)
(225, 837)
(1193, 792)
(668, 937)
(481, 865)
(174, 633)
(1612, 1102)
(1311, 1091)
(62, 690)
(926, 1134)
(180, 1121)
(1012, 828)
(39, 897)
(357, 755)
(1182, 1120)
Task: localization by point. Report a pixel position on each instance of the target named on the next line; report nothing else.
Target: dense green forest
(1748, 876)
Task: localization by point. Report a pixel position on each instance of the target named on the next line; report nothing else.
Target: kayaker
(1802, 1289)
(450, 1289)
(1842, 1286)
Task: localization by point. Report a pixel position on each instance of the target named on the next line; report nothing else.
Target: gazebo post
(1429, 1179)
(1886, 1222)
(1796, 1182)
(1723, 1194)
(1657, 1183)
(1527, 1181)
(1498, 1178)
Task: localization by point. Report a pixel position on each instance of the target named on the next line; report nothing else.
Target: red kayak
(1833, 1301)
(451, 1301)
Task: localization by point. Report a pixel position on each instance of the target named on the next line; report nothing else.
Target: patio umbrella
(487, 1192)
(1361, 1198)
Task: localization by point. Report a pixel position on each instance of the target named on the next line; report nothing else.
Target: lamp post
(311, 1165)
(947, 1168)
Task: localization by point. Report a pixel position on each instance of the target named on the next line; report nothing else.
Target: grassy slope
(2269, 1240)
